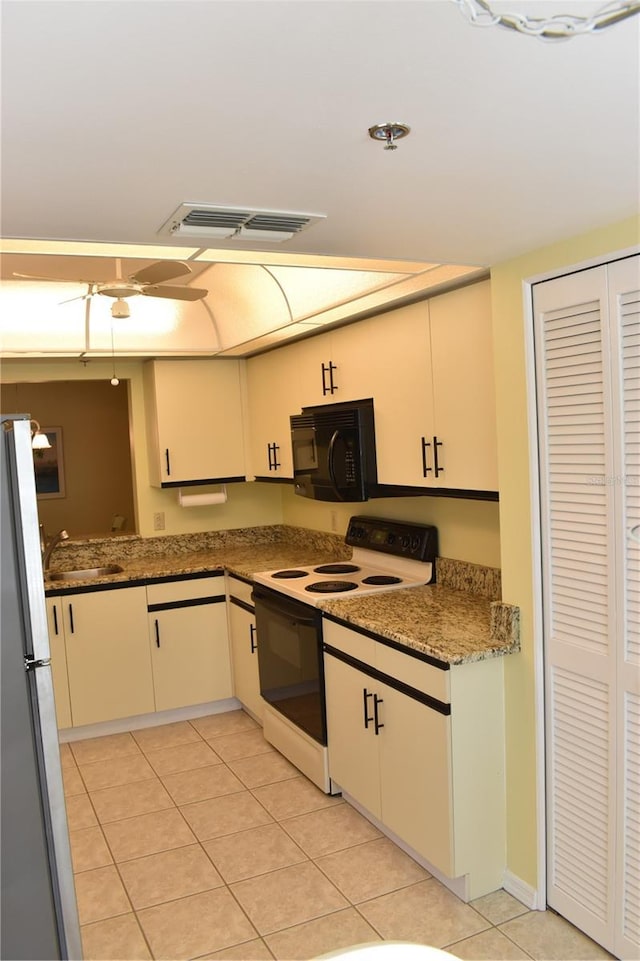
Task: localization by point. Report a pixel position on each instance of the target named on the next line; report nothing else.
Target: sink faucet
(47, 545)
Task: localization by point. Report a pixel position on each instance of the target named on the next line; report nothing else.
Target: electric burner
(331, 587)
(381, 579)
(387, 555)
(336, 569)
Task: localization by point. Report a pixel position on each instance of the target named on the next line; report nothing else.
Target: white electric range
(388, 555)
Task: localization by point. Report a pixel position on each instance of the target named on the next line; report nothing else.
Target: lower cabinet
(187, 625)
(244, 646)
(108, 667)
(421, 748)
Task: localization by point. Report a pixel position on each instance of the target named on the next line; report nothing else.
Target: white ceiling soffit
(249, 306)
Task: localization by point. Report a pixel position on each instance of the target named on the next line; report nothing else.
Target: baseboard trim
(139, 721)
(522, 891)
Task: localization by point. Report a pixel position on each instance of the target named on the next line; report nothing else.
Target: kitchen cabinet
(420, 747)
(194, 421)
(58, 653)
(189, 647)
(107, 652)
(271, 401)
(244, 646)
(434, 392)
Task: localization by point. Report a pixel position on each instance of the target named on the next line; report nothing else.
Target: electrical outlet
(334, 520)
(158, 521)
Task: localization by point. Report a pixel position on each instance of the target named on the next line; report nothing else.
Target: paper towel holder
(203, 500)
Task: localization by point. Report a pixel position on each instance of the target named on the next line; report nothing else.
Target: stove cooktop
(387, 555)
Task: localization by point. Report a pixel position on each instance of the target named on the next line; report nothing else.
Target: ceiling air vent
(207, 222)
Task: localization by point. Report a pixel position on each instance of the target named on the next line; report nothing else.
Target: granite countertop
(450, 625)
(239, 552)
(457, 620)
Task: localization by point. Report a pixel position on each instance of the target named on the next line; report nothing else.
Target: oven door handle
(282, 611)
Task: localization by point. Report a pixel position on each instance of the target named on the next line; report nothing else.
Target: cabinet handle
(329, 388)
(157, 633)
(376, 722)
(166, 454)
(276, 463)
(252, 638)
(425, 468)
(437, 443)
(365, 697)
(55, 619)
(71, 618)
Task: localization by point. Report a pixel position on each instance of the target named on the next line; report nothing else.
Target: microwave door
(305, 450)
(345, 466)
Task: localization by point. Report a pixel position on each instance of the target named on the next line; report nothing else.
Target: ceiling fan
(149, 281)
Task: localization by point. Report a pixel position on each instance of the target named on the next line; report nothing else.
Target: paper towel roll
(202, 500)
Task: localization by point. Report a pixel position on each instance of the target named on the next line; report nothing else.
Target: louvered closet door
(624, 307)
(587, 596)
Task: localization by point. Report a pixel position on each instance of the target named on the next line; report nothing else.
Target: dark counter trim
(201, 483)
(396, 645)
(243, 604)
(275, 480)
(239, 577)
(397, 490)
(393, 682)
(190, 602)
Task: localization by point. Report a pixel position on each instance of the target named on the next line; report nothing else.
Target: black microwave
(334, 451)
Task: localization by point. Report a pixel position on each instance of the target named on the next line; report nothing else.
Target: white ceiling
(114, 113)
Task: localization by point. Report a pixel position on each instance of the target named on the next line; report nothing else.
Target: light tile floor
(198, 840)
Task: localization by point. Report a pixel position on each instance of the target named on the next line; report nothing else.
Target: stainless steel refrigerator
(38, 905)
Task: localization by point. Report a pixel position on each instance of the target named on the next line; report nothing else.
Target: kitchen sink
(84, 573)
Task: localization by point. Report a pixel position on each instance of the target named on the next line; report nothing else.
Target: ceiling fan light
(120, 309)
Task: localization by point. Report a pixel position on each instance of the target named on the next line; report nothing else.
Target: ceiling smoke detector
(389, 133)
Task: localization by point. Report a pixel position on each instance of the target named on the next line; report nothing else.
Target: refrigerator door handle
(31, 663)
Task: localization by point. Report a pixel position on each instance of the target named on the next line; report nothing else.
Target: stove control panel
(418, 542)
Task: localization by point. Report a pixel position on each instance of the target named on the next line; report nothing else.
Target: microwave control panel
(419, 542)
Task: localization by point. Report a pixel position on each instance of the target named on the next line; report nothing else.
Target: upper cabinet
(428, 367)
(435, 395)
(270, 397)
(194, 422)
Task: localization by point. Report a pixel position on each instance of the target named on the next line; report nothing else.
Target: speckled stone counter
(458, 620)
(243, 552)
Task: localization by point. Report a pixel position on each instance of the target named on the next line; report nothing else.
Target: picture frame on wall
(48, 465)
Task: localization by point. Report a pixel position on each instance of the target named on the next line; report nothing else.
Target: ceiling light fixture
(120, 309)
(389, 133)
(560, 27)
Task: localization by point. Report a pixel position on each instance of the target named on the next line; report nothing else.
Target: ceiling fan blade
(175, 293)
(161, 270)
(57, 280)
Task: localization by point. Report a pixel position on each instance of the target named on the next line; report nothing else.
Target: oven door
(290, 660)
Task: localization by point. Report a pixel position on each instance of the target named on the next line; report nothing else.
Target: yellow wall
(467, 530)
(515, 517)
(248, 505)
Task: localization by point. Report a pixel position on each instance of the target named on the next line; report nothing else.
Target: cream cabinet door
(194, 421)
(108, 662)
(353, 747)
(464, 417)
(415, 775)
(244, 655)
(271, 401)
(395, 369)
(190, 655)
(58, 662)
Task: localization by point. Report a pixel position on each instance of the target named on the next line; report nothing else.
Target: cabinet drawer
(414, 672)
(239, 589)
(185, 590)
(350, 642)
